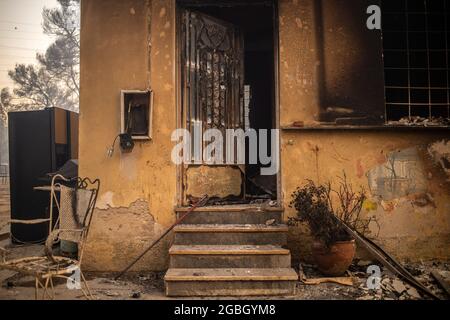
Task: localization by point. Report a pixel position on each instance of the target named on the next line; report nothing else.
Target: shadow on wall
(350, 70)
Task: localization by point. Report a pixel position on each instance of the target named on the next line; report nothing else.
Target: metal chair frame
(48, 267)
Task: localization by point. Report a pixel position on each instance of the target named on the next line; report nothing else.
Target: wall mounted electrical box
(136, 113)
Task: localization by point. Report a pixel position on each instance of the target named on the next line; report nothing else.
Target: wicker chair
(76, 206)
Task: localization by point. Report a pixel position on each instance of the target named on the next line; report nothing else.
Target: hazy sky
(21, 34)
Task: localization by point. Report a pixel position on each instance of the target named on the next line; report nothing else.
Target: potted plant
(323, 209)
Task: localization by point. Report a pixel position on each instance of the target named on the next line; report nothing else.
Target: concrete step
(230, 282)
(231, 216)
(229, 256)
(230, 234)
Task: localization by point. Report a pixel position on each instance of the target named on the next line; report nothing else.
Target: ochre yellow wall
(352, 79)
(119, 52)
(408, 229)
(329, 61)
(130, 44)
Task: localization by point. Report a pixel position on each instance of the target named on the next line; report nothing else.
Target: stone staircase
(230, 252)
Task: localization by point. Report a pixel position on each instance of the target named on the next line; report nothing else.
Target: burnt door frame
(182, 5)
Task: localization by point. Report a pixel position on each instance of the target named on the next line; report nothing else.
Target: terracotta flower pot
(336, 259)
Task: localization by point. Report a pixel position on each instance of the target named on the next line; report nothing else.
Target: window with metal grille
(416, 58)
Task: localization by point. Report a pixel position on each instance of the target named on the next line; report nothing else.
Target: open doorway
(253, 24)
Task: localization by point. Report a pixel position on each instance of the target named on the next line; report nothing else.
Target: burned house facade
(334, 95)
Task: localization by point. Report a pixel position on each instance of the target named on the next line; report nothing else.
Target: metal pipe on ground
(196, 205)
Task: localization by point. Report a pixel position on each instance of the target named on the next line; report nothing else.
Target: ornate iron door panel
(212, 73)
(212, 83)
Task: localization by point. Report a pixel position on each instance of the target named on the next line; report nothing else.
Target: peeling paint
(359, 169)
(105, 200)
(440, 153)
(140, 188)
(413, 217)
(147, 173)
(118, 235)
(400, 176)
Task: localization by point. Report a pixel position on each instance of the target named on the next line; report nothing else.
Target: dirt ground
(150, 286)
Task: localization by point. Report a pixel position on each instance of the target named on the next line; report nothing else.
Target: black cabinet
(39, 143)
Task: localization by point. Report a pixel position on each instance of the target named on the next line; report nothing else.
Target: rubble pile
(421, 122)
(393, 288)
(390, 286)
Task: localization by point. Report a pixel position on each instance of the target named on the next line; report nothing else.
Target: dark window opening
(416, 59)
